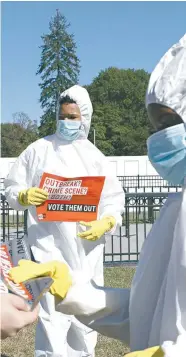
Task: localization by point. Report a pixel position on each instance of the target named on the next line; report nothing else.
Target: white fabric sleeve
(112, 200)
(177, 349)
(103, 309)
(17, 180)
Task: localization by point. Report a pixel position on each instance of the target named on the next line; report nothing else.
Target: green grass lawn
(23, 344)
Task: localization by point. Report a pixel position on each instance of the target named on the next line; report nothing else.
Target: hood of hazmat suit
(158, 293)
(81, 97)
(59, 240)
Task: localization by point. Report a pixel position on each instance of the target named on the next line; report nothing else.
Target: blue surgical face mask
(68, 129)
(167, 153)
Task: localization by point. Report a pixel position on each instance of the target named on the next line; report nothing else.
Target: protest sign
(70, 199)
(31, 293)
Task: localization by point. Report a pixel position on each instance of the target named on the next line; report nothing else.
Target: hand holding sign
(58, 271)
(97, 228)
(15, 315)
(33, 196)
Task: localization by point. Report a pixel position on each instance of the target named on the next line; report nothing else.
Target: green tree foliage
(16, 136)
(120, 118)
(48, 123)
(59, 69)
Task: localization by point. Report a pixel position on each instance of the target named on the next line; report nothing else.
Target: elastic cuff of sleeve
(21, 198)
(111, 221)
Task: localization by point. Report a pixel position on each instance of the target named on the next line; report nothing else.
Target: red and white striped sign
(5, 266)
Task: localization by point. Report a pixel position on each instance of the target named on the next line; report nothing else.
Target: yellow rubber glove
(149, 352)
(97, 228)
(33, 196)
(58, 271)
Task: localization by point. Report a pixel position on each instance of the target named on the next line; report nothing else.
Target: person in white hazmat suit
(157, 301)
(157, 307)
(67, 153)
(156, 304)
(160, 310)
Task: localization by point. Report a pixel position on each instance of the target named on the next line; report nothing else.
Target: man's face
(69, 111)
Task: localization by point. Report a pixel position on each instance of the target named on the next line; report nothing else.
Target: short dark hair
(66, 100)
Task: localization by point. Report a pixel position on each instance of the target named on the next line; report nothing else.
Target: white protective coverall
(59, 335)
(157, 308)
